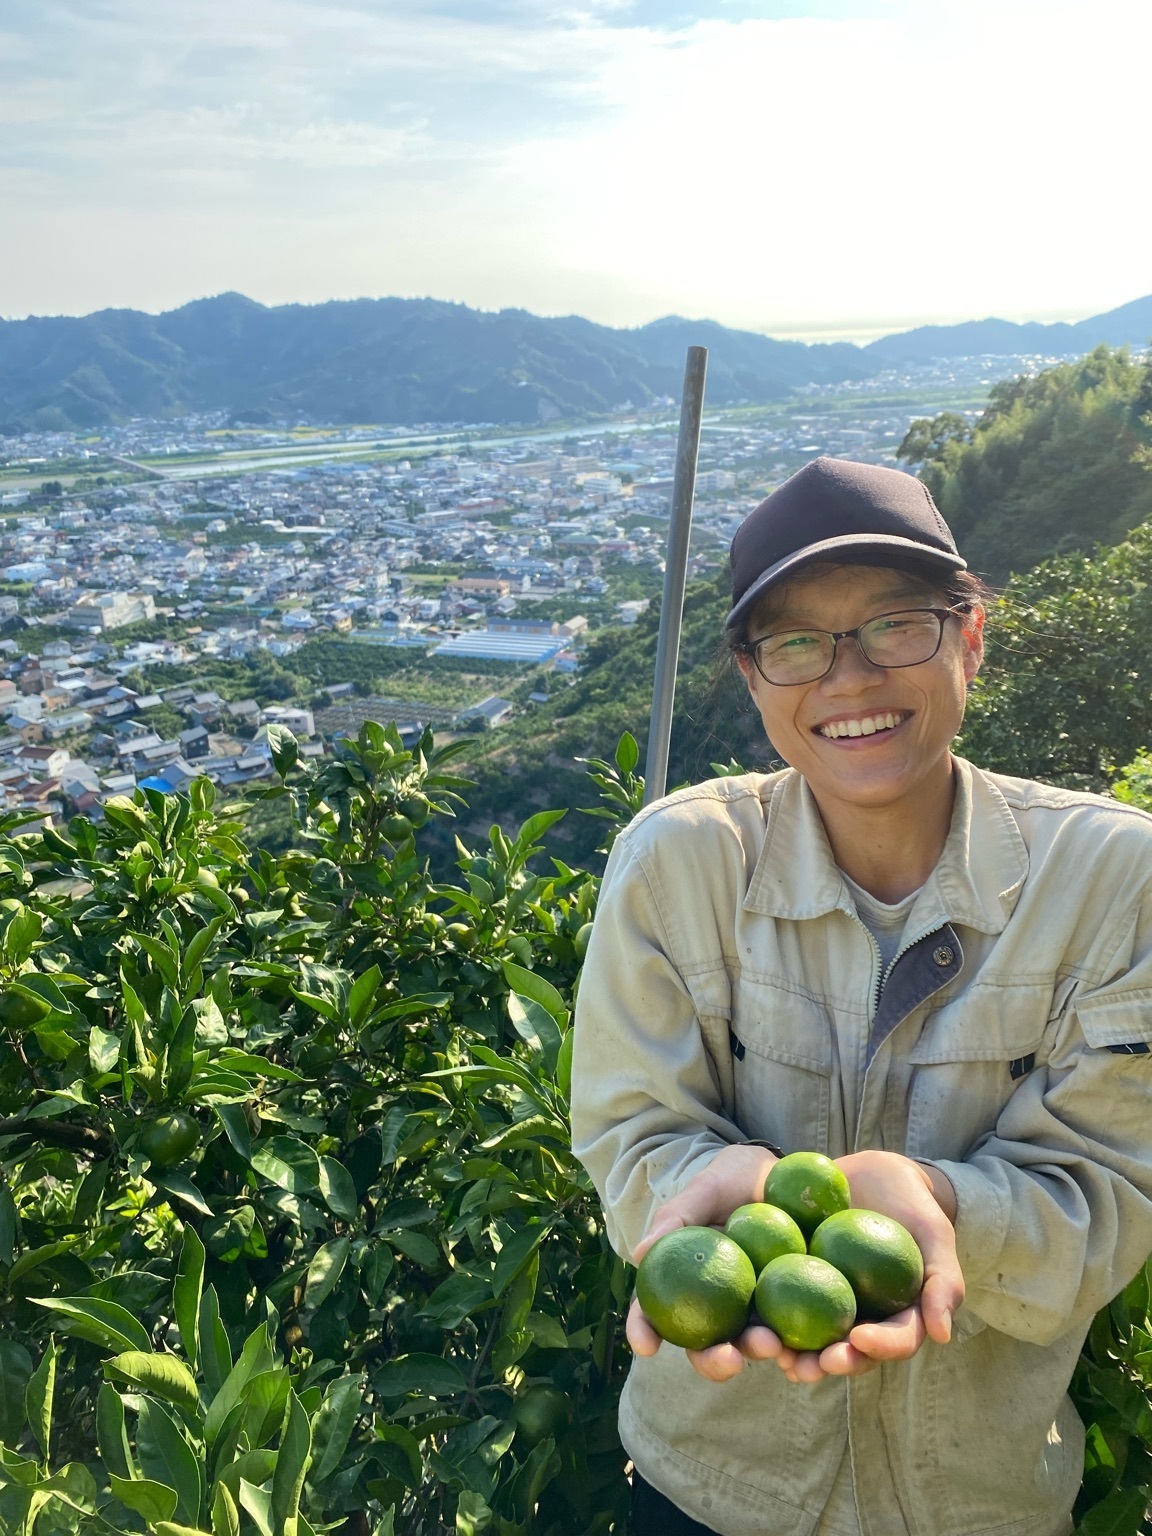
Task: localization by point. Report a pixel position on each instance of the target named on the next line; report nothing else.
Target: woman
(940, 977)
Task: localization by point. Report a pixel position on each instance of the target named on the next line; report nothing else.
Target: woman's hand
(913, 1195)
(733, 1178)
(923, 1201)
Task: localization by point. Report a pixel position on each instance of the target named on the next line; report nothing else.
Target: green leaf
(457, 1298)
(235, 1123)
(374, 1272)
(627, 754)
(284, 748)
(167, 963)
(255, 1467)
(39, 1397)
(100, 1322)
(112, 1434)
(155, 1501)
(187, 1290)
(163, 1375)
(225, 1515)
(170, 1528)
(536, 1026)
(247, 1064)
(394, 1130)
(1120, 1514)
(515, 1253)
(546, 1331)
(535, 827)
(254, 1358)
(258, 1506)
(21, 934)
(182, 1054)
(15, 1374)
(180, 1187)
(563, 1073)
(288, 1163)
(166, 1457)
(103, 1049)
(7, 1225)
(429, 1374)
(332, 1428)
(325, 1270)
(230, 1235)
(473, 1516)
(533, 1477)
(361, 995)
(530, 985)
(292, 1464)
(415, 1246)
(338, 1188)
(265, 1397)
(215, 1354)
(90, 1191)
(409, 1449)
(199, 943)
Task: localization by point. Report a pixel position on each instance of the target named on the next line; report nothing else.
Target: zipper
(882, 979)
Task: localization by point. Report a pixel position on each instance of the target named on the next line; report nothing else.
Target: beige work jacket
(731, 992)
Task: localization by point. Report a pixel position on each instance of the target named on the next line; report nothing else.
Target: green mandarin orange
(805, 1301)
(809, 1186)
(877, 1256)
(695, 1287)
(764, 1232)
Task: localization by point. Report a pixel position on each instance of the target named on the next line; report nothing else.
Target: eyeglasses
(901, 639)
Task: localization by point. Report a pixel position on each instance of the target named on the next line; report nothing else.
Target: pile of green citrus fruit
(812, 1265)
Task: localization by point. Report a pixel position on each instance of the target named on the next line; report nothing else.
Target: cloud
(775, 162)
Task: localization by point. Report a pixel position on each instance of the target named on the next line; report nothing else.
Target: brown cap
(842, 512)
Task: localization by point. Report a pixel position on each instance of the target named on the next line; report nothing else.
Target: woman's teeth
(867, 725)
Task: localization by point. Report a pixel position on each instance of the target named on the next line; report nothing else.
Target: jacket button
(944, 955)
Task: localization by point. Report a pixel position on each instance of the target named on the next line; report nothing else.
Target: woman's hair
(956, 589)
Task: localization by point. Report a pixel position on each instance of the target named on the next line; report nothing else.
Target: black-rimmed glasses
(901, 639)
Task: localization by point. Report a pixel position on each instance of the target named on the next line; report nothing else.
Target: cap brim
(854, 547)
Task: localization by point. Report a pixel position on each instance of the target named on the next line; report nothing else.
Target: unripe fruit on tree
(170, 1138)
(539, 1412)
(580, 942)
(415, 808)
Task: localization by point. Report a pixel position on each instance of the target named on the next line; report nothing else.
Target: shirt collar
(976, 882)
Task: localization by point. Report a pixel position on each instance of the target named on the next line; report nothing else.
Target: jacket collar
(975, 884)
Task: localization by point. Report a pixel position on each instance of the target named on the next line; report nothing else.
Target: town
(171, 589)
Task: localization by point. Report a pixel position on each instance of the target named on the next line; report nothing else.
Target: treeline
(1055, 465)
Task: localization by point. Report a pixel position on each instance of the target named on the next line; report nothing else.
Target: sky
(816, 168)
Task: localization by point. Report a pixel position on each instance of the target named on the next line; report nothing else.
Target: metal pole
(675, 574)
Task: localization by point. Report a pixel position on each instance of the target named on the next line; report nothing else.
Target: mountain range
(407, 361)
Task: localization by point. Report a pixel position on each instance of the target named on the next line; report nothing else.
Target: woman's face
(885, 765)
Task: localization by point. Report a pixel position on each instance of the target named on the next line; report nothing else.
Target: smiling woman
(937, 977)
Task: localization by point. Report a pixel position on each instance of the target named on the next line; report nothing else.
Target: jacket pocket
(782, 1047)
(972, 1056)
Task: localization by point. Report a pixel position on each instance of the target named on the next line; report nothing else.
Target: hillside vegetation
(1055, 464)
(421, 360)
(377, 360)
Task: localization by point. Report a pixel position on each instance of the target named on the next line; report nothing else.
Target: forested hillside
(1055, 464)
(419, 360)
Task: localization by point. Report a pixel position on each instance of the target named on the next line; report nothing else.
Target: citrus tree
(291, 1235)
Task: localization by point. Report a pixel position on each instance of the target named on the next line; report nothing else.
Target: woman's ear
(747, 670)
(972, 634)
